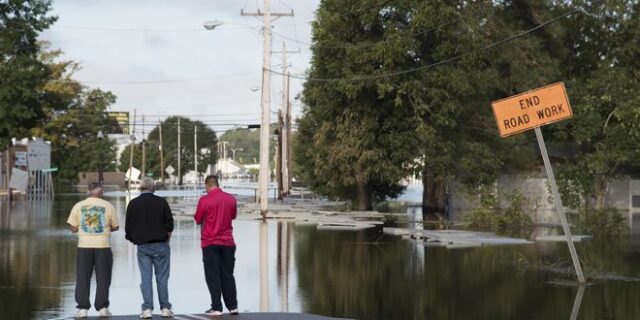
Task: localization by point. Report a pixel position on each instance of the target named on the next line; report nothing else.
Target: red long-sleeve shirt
(215, 212)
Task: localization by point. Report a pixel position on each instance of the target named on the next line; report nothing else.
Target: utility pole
(179, 160)
(195, 152)
(283, 126)
(144, 152)
(233, 150)
(279, 153)
(289, 125)
(161, 154)
(131, 149)
(223, 149)
(265, 102)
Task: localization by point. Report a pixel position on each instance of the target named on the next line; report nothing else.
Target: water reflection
(264, 269)
(284, 240)
(578, 302)
(360, 275)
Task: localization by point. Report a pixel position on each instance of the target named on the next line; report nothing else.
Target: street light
(210, 25)
(100, 136)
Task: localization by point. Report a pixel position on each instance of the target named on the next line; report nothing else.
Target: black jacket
(149, 219)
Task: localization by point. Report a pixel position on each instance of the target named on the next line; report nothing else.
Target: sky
(157, 58)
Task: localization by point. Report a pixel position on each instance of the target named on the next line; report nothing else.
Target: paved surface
(242, 316)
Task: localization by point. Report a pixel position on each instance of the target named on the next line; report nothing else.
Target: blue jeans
(158, 256)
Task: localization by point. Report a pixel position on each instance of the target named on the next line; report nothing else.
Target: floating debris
(562, 238)
(454, 239)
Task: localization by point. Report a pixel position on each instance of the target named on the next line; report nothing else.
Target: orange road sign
(532, 109)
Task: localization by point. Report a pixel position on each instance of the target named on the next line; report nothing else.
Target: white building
(122, 141)
(230, 168)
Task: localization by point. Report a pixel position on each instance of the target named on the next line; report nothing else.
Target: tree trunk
(364, 197)
(433, 197)
(599, 190)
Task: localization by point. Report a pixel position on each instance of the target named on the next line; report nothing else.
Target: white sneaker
(212, 312)
(146, 314)
(167, 313)
(104, 313)
(82, 313)
(234, 312)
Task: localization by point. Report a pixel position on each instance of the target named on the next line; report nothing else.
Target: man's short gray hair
(147, 184)
(94, 187)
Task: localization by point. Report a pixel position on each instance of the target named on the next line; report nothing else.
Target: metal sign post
(559, 207)
(531, 110)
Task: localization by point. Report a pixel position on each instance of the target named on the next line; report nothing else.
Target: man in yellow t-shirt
(93, 219)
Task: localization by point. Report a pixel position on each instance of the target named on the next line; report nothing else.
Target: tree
(207, 144)
(440, 118)
(603, 85)
(447, 101)
(22, 74)
(72, 117)
(152, 155)
(249, 141)
(355, 139)
(75, 146)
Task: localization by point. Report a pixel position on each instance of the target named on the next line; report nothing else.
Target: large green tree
(438, 120)
(356, 139)
(22, 74)
(75, 143)
(457, 130)
(360, 47)
(602, 77)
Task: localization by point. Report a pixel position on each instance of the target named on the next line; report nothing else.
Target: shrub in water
(602, 223)
(490, 216)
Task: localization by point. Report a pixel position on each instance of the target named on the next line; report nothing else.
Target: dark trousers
(102, 260)
(219, 262)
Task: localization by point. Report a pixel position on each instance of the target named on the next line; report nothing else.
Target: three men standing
(215, 212)
(149, 224)
(93, 219)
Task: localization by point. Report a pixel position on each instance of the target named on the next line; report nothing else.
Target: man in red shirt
(215, 212)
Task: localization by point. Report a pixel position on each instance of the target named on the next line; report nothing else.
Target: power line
(116, 31)
(143, 82)
(80, 6)
(442, 62)
(139, 29)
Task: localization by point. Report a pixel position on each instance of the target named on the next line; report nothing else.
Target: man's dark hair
(211, 181)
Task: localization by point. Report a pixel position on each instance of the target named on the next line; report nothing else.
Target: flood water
(357, 275)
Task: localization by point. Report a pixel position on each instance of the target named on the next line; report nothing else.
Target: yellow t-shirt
(94, 218)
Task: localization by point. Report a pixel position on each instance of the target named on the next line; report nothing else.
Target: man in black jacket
(149, 224)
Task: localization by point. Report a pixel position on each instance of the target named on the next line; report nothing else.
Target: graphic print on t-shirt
(92, 219)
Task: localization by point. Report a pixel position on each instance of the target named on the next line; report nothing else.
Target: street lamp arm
(210, 25)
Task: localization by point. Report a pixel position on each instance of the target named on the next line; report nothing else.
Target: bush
(514, 220)
(490, 216)
(390, 207)
(602, 223)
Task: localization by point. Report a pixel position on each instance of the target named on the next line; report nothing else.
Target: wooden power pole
(161, 154)
(131, 149)
(265, 126)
